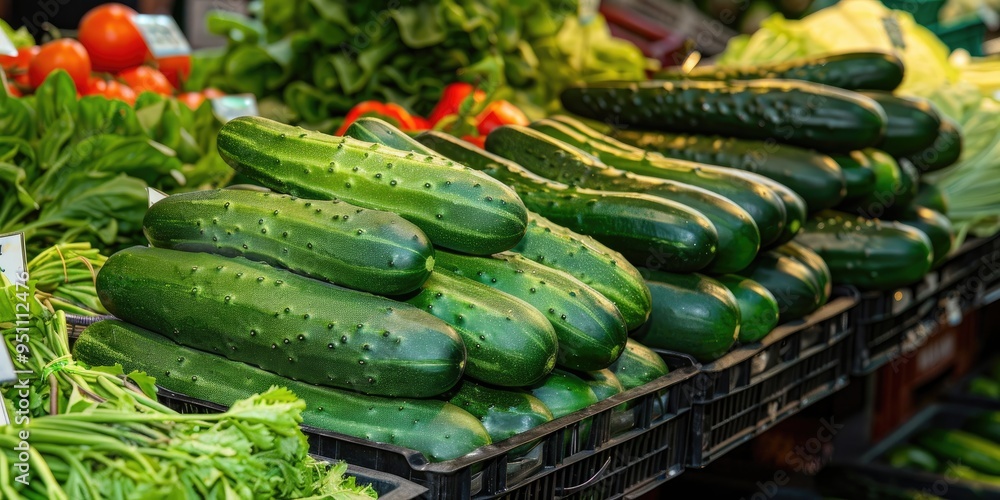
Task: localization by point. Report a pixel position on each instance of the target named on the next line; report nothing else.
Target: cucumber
(758, 307)
(985, 425)
(909, 184)
(604, 383)
(912, 123)
(692, 314)
(814, 262)
(930, 196)
(294, 326)
(378, 131)
(859, 177)
(743, 188)
(504, 413)
(868, 254)
(587, 260)
(641, 227)
(793, 284)
(563, 393)
(455, 206)
(936, 226)
(813, 116)
(439, 430)
(850, 71)
(638, 365)
(795, 211)
(890, 190)
(984, 388)
(369, 250)
(908, 456)
(738, 236)
(590, 329)
(815, 177)
(955, 471)
(954, 445)
(943, 152)
(508, 342)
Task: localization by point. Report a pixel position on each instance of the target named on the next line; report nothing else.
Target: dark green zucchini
(912, 123)
(936, 226)
(638, 365)
(889, 187)
(859, 177)
(909, 183)
(692, 314)
(943, 152)
(793, 284)
(813, 116)
(849, 71)
(814, 262)
(758, 307)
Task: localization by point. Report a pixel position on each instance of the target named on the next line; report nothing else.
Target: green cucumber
(638, 365)
(378, 131)
(641, 227)
(868, 254)
(813, 116)
(943, 152)
(985, 425)
(743, 188)
(738, 236)
(587, 260)
(455, 206)
(932, 197)
(953, 445)
(507, 341)
(909, 184)
(590, 329)
(294, 326)
(850, 71)
(439, 430)
(504, 413)
(758, 307)
(889, 192)
(955, 471)
(563, 393)
(692, 314)
(912, 123)
(908, 456)
(859, 177)
(795, 211)
(984, 388)
(814, 262)
(793, 284)
(604, 383)
(936, 226)
(369, 250)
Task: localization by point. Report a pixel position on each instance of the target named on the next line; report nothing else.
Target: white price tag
(155, 195)
(162, 35)
(7, 47)
(13, 261)
(234, 106)
(587, 11)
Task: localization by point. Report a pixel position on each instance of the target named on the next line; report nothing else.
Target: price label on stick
(7, 47)
(234, 106)
(162, 35)
(155, 195)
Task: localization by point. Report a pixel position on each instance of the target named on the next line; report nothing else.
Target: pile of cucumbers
(970, 453)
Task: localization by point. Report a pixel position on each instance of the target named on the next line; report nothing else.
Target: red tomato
(12, 90)
(499, 113)
(192, 99)
(64, 54)
(478, 140)
(451, 100)
(111, 38)
(175, 68)
(212, 93)
(16, 67)
(111, 89)
(144, 78)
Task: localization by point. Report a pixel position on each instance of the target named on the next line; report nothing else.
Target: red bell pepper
(452, 97)
(391, 112)
(499, 113)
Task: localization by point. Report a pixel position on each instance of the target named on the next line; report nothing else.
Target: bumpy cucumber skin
(294, 326)
(793, 284)
(641, 227)
(369, 250)
(912, 123)
(507, 341)
(590, 329)
(944, 152)
(849, 71)
(739, 238)
(692, 314)
(868, 254)
(504, 413)
(813, 176)
(813, 116)
(936, 226)
(859, 178)
(604, 383)
(455, 206)
(375, 130)
(439, 430)
(743, 188)
(638, 365)
(758, 307)
(812, 260)
(587, 260)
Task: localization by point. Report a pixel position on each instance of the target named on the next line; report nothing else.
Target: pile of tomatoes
(109, 57)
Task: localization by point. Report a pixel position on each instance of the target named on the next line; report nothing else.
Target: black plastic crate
(757, 385)
(871, 467)
(893, 322)
(609, 463)
(387, 486)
